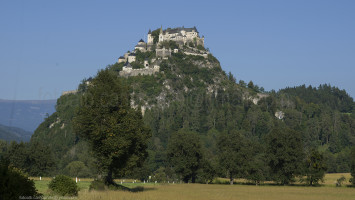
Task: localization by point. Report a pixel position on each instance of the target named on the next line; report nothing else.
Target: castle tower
(150, 38)
(161, 36)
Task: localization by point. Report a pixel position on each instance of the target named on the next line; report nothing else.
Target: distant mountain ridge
(8, 133)
(25, 114)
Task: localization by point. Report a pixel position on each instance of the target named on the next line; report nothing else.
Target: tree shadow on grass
(99, 185)
(141, 189)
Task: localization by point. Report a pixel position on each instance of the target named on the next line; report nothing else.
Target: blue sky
(47, 47)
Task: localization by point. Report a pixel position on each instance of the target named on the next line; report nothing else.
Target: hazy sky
(47, 47)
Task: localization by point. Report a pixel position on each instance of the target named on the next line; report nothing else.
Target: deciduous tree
(234, 154)
(285, 153)
(315, 167)
(114, 130)
(185, 154)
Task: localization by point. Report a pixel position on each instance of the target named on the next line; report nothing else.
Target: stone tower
(150, 37)
(161, 36)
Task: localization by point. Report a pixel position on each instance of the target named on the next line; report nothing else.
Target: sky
(47, 47)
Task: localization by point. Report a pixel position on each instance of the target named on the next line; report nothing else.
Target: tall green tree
(41, 162)
(285, 153)
(234, 154)
(207, 171)
(114, 130)
(185, 154)
(17, 154)
(315, 168)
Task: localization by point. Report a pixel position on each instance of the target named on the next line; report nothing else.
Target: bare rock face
(279, 114)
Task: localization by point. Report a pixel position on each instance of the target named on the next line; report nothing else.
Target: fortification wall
(69, 92)
(205, 55)
(136, 72)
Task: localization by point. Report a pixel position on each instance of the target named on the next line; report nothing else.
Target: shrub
(340, 181)
(15, 184)
(63, 185)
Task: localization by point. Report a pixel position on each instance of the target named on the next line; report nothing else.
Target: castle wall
(136, 72)
(69, 92)
(121, 60)
(163, 52)
(140, 48)
(205, 55)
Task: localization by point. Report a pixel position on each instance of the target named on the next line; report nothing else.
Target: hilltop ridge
(160, 47)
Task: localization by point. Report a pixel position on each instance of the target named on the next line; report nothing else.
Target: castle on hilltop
(187, 40)
(180, 35)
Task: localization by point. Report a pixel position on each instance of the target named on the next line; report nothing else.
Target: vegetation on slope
(194, 94)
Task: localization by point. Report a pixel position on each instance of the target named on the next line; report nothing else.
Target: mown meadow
(240, 190)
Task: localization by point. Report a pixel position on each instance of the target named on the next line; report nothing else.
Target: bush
(340, 181)
(63, 185)
(15, 184)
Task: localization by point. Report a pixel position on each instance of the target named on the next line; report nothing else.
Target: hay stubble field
(218, 191)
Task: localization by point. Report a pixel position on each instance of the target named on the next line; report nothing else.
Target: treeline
(33, 158)
(38, 159)
(325, 94)
(226, 123)
(281, 159)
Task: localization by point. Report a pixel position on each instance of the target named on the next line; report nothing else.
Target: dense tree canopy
(185, 154)
(285, 151)
(234, 155)
(315, 167)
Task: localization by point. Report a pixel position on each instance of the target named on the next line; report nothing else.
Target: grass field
(215, 191)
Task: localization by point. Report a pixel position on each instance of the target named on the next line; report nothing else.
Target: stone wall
(205, 55)
(136, 72)
(163, 52)
(69, 92)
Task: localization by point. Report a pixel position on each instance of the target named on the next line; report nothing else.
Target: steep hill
(193, 92)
